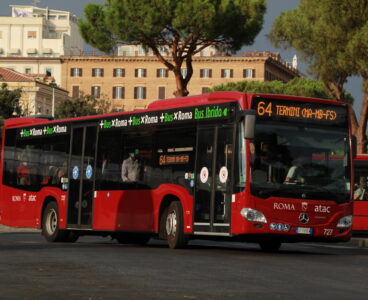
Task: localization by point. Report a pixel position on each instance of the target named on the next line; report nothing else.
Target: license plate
(304, 230)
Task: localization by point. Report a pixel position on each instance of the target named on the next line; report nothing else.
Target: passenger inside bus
(23, 172)
(132, 167)
(360, 190)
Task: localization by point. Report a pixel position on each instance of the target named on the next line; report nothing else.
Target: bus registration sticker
(223, 175)
(304, 230)
(204, 175)
(75, 172)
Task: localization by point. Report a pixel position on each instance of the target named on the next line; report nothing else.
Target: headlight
(253, 215)
(345, 222)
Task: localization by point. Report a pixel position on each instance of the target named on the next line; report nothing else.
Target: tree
(9, 104)
(184, 28)
(332, 36)
(85, 105)
(298, 87)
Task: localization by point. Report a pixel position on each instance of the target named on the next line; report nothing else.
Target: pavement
(354, 242)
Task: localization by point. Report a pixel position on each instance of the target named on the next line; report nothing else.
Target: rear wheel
(270, 246)
(50, 224)
(175, 226)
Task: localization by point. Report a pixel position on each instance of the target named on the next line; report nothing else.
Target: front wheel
(175, 226)
(50, 224)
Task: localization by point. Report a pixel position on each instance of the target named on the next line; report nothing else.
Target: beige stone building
(37, 97)
(133, 81)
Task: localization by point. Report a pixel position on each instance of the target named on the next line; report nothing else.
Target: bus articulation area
(226, 165)
(360, 215)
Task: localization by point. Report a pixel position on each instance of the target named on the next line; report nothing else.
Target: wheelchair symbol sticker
(75, 172)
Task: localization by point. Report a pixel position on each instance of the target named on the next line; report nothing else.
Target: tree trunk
(361, 133)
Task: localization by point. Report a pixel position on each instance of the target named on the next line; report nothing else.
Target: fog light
(253, 215)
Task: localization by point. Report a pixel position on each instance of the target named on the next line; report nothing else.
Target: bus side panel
(137, 210)
(360, 219)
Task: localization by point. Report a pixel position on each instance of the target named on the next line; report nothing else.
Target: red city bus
(225, 165)
(360, 213)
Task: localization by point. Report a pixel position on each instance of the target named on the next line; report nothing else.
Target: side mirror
(249, 124)
(354, 146)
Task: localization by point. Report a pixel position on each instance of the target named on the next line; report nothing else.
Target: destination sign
(42, 130)
(299, 111)
(173, 116)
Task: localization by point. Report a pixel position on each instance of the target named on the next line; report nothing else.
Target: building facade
(133, 81)
(32, 39)
(37, 97)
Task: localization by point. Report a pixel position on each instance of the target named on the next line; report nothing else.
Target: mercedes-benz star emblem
(303, 218)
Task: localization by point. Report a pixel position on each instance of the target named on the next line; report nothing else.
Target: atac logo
(283, 206)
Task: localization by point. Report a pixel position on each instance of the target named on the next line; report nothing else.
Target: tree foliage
(9, 104)
(184, 28)
(305, 87)
(85, 105)
(331, 35)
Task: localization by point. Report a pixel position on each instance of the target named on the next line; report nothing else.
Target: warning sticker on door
(204, 175)
(223, 174)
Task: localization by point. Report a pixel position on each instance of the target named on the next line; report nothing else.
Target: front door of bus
(213, 180)
(81, 176)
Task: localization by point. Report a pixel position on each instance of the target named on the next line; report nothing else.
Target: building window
(184, 73)
(76, 72)
(1, 35)
(205, 73)
(249, 73)
(161, 92)
(205, 90)
(97, 72)
(227, 73)
(75, 91)
(119, 72)
(48, 71)
(63, 17)
(118, 92)
(139, 92)
(28, 70)
(96, 91)
(140, 73)
(162, 73)
(32, 34)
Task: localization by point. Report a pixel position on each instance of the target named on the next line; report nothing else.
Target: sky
(274, 8)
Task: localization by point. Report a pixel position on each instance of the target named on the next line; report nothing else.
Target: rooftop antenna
(35, 2)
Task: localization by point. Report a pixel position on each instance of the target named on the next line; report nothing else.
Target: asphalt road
(98, 268)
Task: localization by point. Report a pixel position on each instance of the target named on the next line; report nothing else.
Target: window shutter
(201, 73)
(135, 92)
(71, 72)
(166, 73)
(144, 93)
(80, 72)
(231, 73)
(210, 73)
(144, 72)
(122, 72)
(98, 92)
(92, 91)
(157, 73)
(123, 92)
(114, 72)
(102, 72)
(244, 73)
(136, 72)
(93, 72)
(75, 91)
(161, 92)
(222, 73)
(113, 92)
(254, 73)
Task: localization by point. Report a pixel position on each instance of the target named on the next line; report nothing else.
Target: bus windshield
(295, 160)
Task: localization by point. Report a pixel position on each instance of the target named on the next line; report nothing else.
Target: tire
(71, 236)
(175, 226)
(50, 224)
(270, 246)
(132, 238)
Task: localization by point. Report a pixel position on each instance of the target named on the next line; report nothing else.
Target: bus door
(81, 176)
(214, 161)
